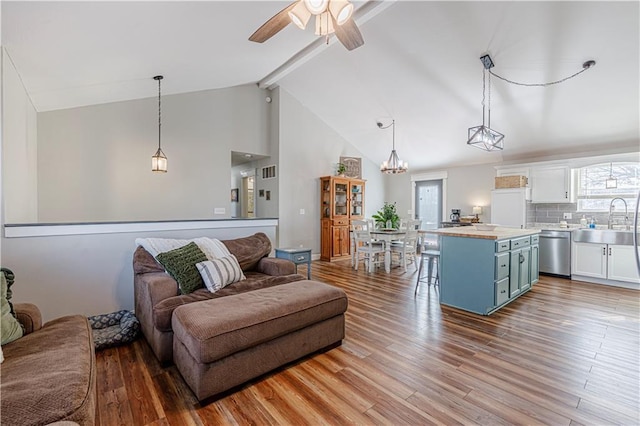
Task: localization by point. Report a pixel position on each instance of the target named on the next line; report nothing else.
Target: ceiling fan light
(324, 24)
(341, 10)
(300, 15)
(316, 7)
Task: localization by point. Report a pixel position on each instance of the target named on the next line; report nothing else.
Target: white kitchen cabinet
(589, 260)
(622, 265)
(605, 261)
(551, 185)
(509, 207)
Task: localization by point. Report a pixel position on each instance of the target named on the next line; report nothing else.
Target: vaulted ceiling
(419, 65)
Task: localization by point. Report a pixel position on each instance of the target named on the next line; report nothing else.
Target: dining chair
(406, 248)
(358, 225)
(368, 250)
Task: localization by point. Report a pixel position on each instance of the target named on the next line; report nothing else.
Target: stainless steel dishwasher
(555, 252)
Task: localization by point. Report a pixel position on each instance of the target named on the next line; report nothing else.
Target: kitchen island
(481, 271)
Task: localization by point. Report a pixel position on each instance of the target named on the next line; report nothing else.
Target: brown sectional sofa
(49, 374)
(157, 295)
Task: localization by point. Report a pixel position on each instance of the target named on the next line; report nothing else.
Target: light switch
(219, 210)
(301, 211)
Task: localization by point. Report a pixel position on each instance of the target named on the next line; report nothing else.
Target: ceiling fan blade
(273, 25)
(348, 34)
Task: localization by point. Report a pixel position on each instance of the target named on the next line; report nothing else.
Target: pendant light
(393, 165)
(484, 137)
(159, 160)
(611, 183)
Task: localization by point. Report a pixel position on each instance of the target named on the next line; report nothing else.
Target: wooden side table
(297, 256)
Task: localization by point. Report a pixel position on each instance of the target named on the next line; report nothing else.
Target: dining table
(387, 235)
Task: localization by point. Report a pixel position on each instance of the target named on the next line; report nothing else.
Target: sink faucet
(626, 213)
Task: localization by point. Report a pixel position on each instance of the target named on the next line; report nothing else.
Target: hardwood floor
(566, 353)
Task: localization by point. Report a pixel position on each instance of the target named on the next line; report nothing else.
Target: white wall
(94, 163)
(270, 207)
(1, 137)
(310, 149)
(467, 186)
(88, 274)
(19, 146)
(470, 186)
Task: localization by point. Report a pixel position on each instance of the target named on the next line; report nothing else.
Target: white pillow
(219, 273)
(212, 248)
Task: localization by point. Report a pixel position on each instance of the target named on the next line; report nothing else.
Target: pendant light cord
(489, 103)
(393, 124)
(393, 134)
(585, 66)
(159, 113)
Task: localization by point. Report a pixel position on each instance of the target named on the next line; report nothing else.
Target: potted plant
(341, 169)
(387, 217)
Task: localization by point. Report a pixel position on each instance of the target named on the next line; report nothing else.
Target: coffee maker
(455, 215)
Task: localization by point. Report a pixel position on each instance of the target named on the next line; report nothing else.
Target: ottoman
(224, 342)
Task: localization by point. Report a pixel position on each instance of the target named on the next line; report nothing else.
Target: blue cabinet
(481, 275)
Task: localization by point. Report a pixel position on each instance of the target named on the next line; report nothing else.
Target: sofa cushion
(249, 250)
(219, 273)
(180, 263)
(163, 310)
(49, 375)
(211, 247)
(218, 328)
(10, 328)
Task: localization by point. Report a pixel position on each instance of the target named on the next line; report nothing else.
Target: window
(593, 195)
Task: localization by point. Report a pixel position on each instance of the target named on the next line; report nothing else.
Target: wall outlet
(219, 210)
(567, 216)
(301, 211)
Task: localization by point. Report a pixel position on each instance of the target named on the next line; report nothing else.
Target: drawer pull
(503, 266)
(300, 258)
(503, 291)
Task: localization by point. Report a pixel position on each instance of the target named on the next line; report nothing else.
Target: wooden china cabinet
(341, 200)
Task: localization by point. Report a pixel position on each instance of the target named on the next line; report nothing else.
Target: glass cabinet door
(340, 194)
(356, 192)
(325, 187)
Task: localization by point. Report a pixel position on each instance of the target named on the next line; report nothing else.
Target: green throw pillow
(180, 263)
(10, 328)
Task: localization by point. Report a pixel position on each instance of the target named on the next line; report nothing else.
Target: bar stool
(431, 256)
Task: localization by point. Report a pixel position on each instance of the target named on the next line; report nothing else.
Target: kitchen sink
(603, 236)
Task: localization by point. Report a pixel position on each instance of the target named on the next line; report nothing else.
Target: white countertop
(497, 234)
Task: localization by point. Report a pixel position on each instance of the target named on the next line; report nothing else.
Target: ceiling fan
(332, 16)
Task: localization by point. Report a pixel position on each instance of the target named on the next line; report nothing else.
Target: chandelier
(393, 165)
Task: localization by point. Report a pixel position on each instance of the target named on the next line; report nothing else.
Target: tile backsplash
(553, 213)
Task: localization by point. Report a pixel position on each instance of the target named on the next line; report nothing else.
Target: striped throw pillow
(221, 272)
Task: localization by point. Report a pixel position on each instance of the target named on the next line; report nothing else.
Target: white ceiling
(419, 65)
